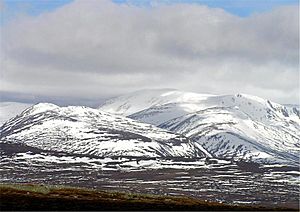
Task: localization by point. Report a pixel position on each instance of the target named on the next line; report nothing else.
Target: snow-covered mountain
(140, 100)
(9, 110)
(83, 130)
(229, 126)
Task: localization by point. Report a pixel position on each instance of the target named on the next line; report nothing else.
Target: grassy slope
(39, 197)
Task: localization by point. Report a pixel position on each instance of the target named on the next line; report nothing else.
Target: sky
(85, 51)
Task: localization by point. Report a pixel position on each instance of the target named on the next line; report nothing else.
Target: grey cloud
(260, 38)
(96, 49)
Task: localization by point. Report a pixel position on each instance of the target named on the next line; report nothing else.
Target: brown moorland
(41, 198)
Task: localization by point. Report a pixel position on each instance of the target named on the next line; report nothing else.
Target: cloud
(97, 49)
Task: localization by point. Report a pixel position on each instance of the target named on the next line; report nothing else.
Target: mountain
(9, 110)
(87, 131)
(240, 126)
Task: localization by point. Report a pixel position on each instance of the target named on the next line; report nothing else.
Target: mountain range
(162, 123)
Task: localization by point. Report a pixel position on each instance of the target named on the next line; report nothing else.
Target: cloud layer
(97, 49)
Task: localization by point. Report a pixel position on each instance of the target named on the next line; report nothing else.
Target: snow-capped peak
(187, 102)
(140, 100)
(84, 130)
(234, 126)
(40, 107)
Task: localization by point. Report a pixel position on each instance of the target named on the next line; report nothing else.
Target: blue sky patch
(243, 8)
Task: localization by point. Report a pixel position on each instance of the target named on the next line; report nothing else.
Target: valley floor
(227, 183)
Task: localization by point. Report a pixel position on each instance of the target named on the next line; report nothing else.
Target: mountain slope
(231, 126)
(83, 130)
(9, 110)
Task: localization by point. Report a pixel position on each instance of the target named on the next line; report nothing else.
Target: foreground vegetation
(42, 197)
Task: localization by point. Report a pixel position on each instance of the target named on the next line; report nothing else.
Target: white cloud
(95, 49)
